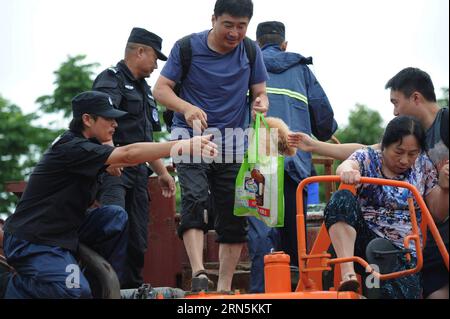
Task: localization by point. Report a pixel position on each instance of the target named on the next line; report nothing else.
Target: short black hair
(235, 8)
(412, 80)
(77, 126)
(130, 47)
(270, 39)
(402, 126)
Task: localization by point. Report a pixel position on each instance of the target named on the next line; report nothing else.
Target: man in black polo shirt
(126, 85)
(42, 236)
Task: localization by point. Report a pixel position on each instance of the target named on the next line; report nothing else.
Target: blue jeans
(262, 239)
(53, 272)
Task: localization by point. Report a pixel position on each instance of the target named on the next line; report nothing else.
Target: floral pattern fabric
(385, 208)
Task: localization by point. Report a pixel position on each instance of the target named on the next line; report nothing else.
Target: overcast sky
(357, 45)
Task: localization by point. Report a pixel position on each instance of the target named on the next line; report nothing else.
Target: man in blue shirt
(213, 98)
(295, 96)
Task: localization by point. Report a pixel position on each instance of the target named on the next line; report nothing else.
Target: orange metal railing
(308, 283)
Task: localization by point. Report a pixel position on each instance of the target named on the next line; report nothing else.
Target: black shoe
(200, 281)
(350, 283)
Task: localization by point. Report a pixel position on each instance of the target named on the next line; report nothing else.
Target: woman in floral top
(382, 211)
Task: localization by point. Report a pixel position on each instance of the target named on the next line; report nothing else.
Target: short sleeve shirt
(59, 191)
(385, 209)
(216, 83)
(438, 153)
(437, 150)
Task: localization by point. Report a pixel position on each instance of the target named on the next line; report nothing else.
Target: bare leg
(343, 237)
(439, 294)
(193, 242)
(228, 257)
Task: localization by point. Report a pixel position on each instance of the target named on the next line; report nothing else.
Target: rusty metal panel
(16, 187)
(162, 265)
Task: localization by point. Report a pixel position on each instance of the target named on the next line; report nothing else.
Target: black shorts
(206, 187)
(344, 207)
(435, 273)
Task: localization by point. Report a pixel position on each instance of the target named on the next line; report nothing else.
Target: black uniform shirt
(60, 189)
(132, 96)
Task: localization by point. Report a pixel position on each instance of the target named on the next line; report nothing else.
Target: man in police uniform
(298, 99)
(41, 238)
(126, 84)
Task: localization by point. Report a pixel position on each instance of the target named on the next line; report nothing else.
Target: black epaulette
(63, 138)
(113, 69)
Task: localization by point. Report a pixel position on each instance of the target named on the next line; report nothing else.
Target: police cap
(96, 103)
(270, 27)
(142, 36)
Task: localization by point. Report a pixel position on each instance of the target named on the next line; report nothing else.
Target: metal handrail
(414, 236)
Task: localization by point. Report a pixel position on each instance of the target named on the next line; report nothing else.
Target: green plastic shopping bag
(260, 181)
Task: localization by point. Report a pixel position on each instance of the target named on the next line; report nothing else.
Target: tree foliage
(72, 78)
(21, 145)
(443, 101)
(365, 126)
